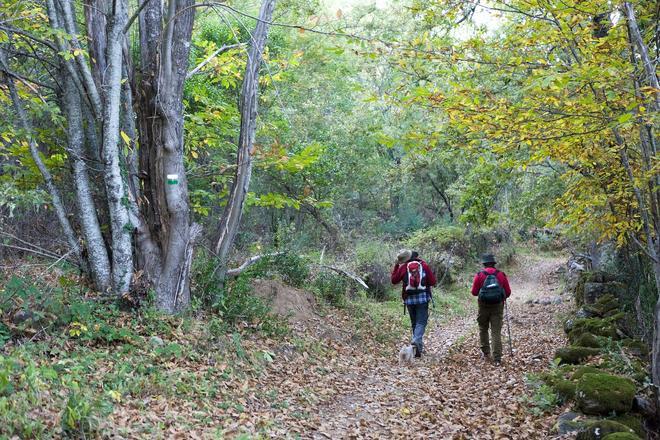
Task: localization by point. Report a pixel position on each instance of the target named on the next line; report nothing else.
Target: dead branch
(34, 251)
(354, 277)
(249, 262)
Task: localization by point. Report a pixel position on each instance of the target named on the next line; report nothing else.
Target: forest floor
(452, 392)
(358, 389)
(333, 374)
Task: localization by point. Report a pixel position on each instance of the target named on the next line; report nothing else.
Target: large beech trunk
(107, 103)
(115, 186)
(164, 61)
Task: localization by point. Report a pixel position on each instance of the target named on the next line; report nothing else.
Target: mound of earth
(295, 304)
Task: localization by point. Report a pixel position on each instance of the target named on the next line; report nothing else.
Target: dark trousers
(419, 317)
(491, 315)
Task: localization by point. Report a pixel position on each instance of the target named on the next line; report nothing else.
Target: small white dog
(406, 354)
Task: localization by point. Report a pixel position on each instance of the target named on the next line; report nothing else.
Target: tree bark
(444, 196)
(97, 254)
(651, 241)
(649, 67)
(164, 60)
(330, 228)
(231, 217)
(65, 20)
(121, 227)
(81, 62)
(95, 20)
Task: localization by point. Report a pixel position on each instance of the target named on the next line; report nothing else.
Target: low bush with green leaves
(374, 261)
(235, 302)
(293, 268)
(542, 398)
(82, 413)
(331, 287)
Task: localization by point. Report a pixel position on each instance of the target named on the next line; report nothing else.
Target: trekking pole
(508, 326)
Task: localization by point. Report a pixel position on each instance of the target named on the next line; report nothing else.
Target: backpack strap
(487, 273)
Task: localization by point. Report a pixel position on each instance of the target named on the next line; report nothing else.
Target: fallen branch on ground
(354, 277)
(249, 262)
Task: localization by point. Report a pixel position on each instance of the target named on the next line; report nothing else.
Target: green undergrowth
(69, 364)
(66, 363)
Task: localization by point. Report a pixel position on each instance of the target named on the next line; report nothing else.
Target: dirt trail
(451, 392)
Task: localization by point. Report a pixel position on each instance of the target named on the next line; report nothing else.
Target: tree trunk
(97, 254)
(231, 217)
(66, 20)
(121, 227)
(445, 198)
(167, 256)
(332, 230)
(95, 20)
(651, 240)
(637, 39)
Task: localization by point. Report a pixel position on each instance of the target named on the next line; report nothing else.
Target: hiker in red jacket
(417, 280)
(492, 288)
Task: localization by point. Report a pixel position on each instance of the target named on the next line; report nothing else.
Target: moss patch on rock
(593, 292)
(565, 389)
(604, 394)
(606, 305)
(587, 340)
(584, 369)
(602, 428)
(621, 436)
(606, 327)
(575, 355)
(589, 277)
(629, 366)
(633, 422)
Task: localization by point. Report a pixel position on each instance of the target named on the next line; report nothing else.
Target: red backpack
(415, 278)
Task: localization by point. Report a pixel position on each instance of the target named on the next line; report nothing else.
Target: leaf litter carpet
(450, 393)
(333, 379)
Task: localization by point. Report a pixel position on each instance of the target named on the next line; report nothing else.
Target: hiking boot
(497, 363)
(418, 353)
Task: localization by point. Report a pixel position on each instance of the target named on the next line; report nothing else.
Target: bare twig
(34, 251)
(224, 48)
(58, 260)
(135, 15)
(27, 243)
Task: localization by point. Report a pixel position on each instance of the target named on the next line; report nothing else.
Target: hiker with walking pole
(417, 278)
(491, 287)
